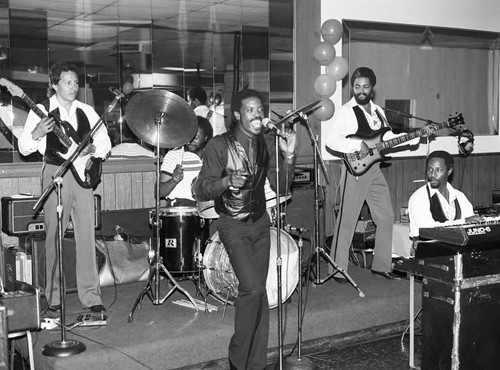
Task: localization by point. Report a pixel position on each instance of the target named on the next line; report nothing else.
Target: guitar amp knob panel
(18, 217)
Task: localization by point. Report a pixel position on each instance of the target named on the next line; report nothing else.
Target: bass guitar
(86, 169)
(359, 162)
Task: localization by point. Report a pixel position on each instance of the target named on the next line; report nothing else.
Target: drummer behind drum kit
(180, 234)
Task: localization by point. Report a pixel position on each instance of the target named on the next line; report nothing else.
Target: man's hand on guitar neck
(43, 127)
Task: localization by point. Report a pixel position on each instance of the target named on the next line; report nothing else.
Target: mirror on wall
(135, 46)
(429, 72)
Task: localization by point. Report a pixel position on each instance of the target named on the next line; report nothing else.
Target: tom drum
(181, 233)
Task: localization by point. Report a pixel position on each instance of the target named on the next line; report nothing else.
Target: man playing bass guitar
(361, 117)
(76, 193)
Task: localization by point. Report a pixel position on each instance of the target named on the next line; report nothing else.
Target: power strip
(92, 320)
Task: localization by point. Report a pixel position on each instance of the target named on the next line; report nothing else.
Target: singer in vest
(235, 167)
(361, 117)
(76, 193)
(437, 203)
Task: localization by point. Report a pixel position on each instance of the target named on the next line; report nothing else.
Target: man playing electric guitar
(77, 200)
(361, 117)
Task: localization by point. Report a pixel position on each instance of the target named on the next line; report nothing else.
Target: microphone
(115, 91)
(266, 122)
(297, 229)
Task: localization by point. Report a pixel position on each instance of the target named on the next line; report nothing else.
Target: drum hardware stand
(62, 348)
(157, 265)
(319, 250)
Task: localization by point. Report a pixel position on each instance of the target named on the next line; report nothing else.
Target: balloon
(127, 88)
(325, 85)
(338, 69)
(331, 30)
(324, 53)
(325, 110)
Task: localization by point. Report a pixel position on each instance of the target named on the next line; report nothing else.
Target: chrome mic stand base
(301, 364)
(63, 349)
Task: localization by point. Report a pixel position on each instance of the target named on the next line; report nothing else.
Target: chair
(13, 338)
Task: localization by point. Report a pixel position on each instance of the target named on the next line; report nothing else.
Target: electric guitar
(86, 168)
(357, 163)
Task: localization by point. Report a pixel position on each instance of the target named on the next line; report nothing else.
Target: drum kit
(181, 234)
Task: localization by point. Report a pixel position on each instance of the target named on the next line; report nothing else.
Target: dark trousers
(247, 245)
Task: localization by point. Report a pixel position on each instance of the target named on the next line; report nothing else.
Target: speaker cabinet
(38, 263)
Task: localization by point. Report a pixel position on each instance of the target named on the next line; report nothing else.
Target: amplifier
(23, 307)
(18, 217)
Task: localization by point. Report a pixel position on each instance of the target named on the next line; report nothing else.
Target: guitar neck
(412, 135)
(65, 140)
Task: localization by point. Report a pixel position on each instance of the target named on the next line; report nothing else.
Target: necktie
(251, 155)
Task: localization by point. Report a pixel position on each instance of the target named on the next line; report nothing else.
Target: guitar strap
(67, 127)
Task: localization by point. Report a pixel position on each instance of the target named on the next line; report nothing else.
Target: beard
(362, 100)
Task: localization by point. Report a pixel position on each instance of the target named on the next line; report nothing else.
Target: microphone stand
(278, 257)
(64, 348)
(319, 250)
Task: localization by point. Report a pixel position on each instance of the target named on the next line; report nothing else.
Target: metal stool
(13, 337)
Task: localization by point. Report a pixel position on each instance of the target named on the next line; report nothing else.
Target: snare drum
(222, 281)
(182, 231)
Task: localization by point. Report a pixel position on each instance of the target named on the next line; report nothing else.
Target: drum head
(223, 283)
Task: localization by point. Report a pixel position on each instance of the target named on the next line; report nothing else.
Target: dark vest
(437, 211)
(249, 202)
(364, 128)
(54, 146)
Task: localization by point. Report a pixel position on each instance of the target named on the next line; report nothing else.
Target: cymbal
(303, 110)
(176, 119)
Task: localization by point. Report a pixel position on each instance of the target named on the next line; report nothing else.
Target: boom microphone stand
(157, 265)
(64, 348)
(319, 250)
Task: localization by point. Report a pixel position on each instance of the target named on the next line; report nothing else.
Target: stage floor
(172, 336)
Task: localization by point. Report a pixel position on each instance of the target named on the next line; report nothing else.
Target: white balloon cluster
(336, 68)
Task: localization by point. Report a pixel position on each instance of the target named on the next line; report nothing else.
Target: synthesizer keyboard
(465, 234)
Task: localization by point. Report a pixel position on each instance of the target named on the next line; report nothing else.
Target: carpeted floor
(171, 336)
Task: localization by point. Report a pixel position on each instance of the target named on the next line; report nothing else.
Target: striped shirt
(190, 162)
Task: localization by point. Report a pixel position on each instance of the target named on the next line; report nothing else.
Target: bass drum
(222, 281)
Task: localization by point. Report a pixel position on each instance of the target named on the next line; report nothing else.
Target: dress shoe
(387, 275)
(340, 280)
(98, 308)
(55, 308)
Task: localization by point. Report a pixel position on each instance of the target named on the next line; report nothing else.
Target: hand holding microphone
(237, 179)
(266, 122)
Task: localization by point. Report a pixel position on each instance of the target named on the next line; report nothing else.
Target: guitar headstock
(456, 121)
(13, 89)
